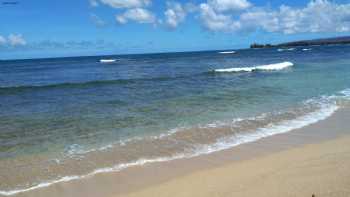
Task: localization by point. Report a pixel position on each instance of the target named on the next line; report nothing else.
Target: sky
(41, 28)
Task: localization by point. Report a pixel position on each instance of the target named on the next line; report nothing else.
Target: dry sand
(321, 169)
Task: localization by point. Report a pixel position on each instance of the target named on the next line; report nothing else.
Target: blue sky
(41, 28)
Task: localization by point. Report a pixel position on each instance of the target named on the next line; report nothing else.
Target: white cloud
(126, 3)
(16, 40)
(239, 15)
(217, 15)
(214, 21)
(226, 5)
(175, 14)
(12, 40)
(259, 19)
(3, 40)
(138, 15)
(316, 16)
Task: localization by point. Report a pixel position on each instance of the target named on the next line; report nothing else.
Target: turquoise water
(57, 113)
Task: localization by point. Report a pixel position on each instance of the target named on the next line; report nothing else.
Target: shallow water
(57, 114)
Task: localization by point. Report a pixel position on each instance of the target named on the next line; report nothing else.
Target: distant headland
(323, 41)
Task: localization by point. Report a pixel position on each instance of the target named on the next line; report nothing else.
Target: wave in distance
(287, 49)
(227, 52)
(268, 67)
(108, 60)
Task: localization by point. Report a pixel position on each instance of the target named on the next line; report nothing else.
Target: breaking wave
(108, 60)
(268, 67)
(227, 52)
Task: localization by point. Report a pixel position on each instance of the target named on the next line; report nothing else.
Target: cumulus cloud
(175, 14)
(226, 5)
(126, 3)
(217, 15)
(316, 16)
(238, 15)
(214, 21)
(138, 15)
(259, 19)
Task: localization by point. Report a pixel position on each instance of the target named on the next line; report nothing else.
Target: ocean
(70, 118)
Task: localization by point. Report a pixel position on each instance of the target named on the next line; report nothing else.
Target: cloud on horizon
(57, 45)
(12, 40)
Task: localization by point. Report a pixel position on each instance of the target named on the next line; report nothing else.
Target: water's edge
(221, 144)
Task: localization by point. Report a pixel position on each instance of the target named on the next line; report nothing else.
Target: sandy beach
(319, 169)
(294, 164)
(289, 166)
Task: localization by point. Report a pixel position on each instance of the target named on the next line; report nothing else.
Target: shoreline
(233, 139)
(152, 175)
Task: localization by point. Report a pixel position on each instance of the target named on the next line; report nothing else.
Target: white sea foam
(327, 108)
(306, 49)
(282, 127)
(227, 52)
(115, 168)
(346, 93)
(108, 60)
(287, 49)
(268, 67)
(41, 185)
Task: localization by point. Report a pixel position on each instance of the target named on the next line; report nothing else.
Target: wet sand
(311, 160)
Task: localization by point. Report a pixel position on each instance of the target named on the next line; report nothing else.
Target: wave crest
(108, 60)
(227, 52)
(268, 67)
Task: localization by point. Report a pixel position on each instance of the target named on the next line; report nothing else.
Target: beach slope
(316, 169)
